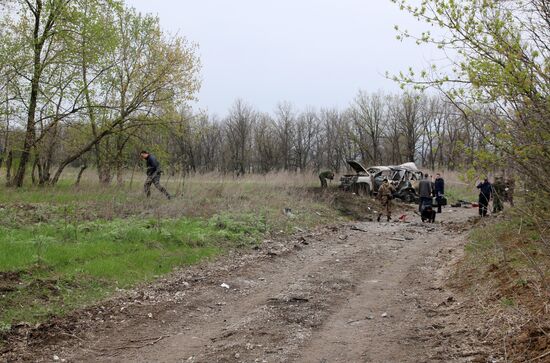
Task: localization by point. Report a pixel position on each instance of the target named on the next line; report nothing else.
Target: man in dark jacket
(439, 191)
(485, 193)
(153, 174)
(425, 192)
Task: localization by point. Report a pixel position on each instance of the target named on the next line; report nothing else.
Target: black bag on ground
(428, 214)
(426, 203)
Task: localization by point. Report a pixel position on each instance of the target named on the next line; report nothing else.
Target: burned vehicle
(404, 177)
(359, 183)
(378, 174)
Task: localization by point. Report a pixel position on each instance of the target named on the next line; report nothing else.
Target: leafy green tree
(499, 57)
(92, 69)
(32, 41)
(145, 73)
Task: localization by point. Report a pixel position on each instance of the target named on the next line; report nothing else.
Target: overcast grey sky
(315, 53)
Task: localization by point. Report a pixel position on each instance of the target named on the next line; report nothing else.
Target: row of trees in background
(377, 129)
(92, 82)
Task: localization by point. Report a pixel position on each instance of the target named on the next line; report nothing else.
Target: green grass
(65, 248)
(62, 266)
(455, 192)
(513, 243)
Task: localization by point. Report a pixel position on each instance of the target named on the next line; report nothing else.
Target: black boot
(389, 218)
(378, 219)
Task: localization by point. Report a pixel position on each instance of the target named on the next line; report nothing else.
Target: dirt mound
(358, 208)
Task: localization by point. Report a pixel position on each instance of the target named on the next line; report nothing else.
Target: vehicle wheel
(365, 190)
(409, 198)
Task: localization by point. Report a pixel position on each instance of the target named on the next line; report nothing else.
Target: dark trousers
(438, 201)
(483, 205)
(324, 184)
(154, 179)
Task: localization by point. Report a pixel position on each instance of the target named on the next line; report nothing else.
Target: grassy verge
(506, 271)
(56, 267)
(460, 191)
(64, 248)
(514, 244)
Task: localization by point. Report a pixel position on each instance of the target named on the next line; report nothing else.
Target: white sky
(315, 53)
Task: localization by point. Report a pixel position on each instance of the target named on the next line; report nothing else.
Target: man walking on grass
(153, 174)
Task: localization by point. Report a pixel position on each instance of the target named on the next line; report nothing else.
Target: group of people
(427, 190)
(500, 191)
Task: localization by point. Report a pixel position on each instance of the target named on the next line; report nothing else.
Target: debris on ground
(288, 212)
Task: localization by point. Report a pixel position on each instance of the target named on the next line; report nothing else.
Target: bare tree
(368, 112)
(265, 144)
(285, 123)
(307, 128)
(239, 126)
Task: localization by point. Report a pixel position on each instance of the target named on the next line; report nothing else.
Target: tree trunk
(8, 167)
(30, 133)
(6, 136)
(79, 177)
(33, 171)
(104, 173)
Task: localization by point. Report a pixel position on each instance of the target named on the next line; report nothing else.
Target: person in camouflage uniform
(385, 194)
(510, 186)
(324, 176)
(499, 193)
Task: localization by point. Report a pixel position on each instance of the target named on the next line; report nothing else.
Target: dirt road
(360, 292)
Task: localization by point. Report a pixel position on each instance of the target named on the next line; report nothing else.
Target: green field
(65, 247)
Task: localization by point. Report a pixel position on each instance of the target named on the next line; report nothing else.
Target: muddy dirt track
(359, 292)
